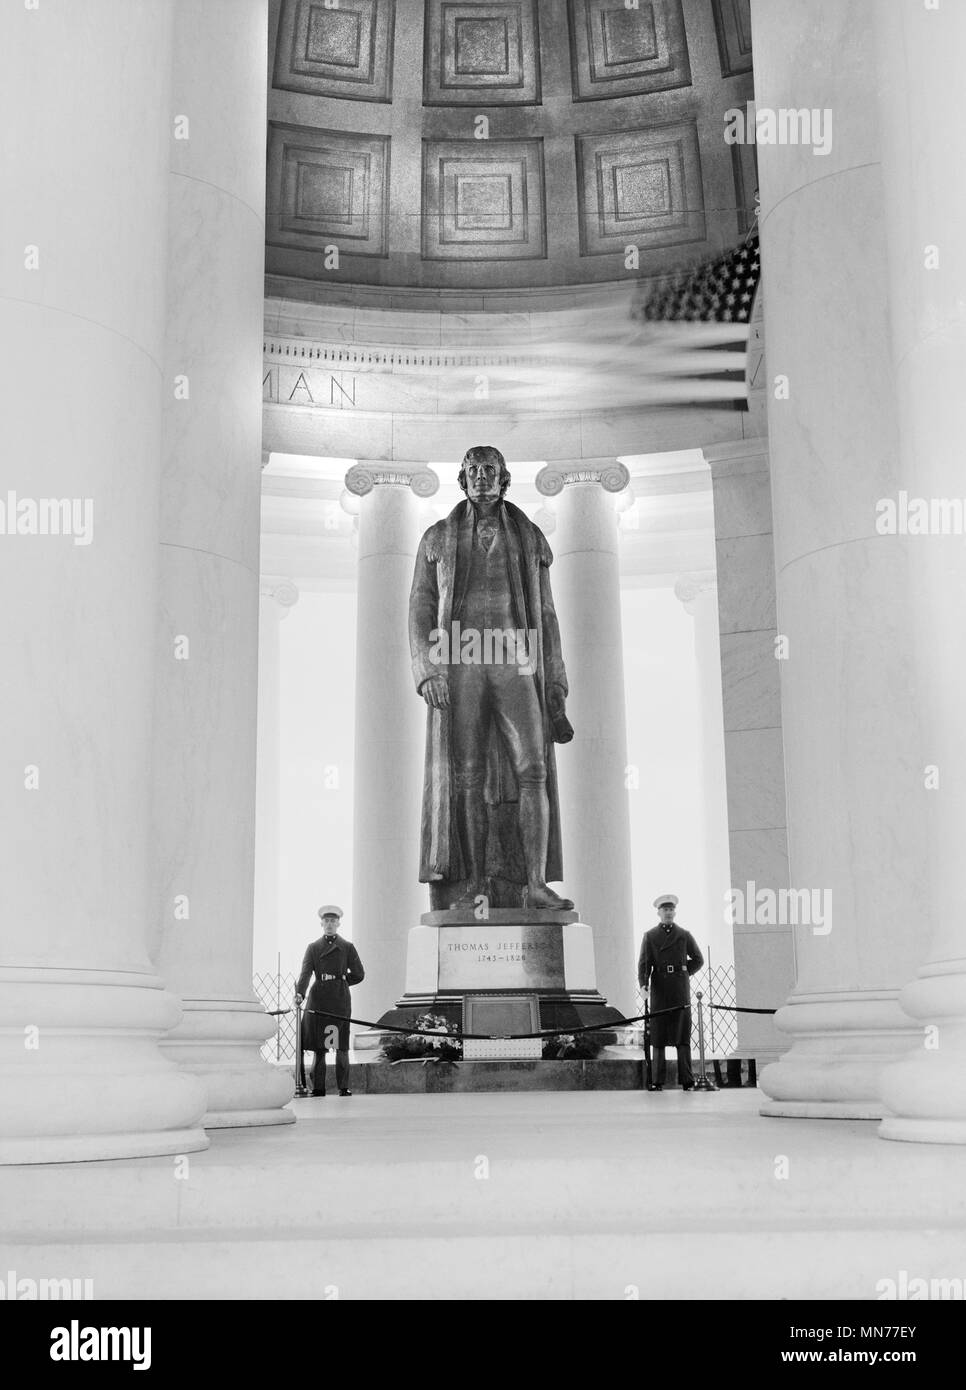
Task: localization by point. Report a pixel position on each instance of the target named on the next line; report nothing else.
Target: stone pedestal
(511, 954)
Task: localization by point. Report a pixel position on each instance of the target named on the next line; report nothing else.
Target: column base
(83, 1074)
(924, 1091)
(220, 1041)
(88, 1147)
(249, 1119)
(924, 1131)
(842, 1044)
(821, 1110)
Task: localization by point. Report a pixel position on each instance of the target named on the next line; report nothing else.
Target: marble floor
(555, 1195)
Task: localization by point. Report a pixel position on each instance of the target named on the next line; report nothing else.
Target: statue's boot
(544, 897)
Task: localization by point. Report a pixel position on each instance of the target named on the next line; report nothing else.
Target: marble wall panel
(750, 681)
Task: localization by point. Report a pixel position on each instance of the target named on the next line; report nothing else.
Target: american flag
(720, 291)
(705, 314)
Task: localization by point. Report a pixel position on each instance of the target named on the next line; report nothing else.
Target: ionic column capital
(363, 477)
(283, 591)
(608, 474)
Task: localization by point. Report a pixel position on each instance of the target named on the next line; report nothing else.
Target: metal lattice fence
(275, 991)
(717, 982)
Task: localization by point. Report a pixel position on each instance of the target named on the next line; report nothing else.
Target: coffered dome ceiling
(603, 125)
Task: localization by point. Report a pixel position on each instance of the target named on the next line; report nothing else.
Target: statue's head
(484, 475)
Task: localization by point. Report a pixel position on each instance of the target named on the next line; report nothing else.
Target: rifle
(648, 1078)
(300, 1087)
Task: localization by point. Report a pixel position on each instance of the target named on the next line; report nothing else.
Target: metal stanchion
(702, 1083)
(300, 1087)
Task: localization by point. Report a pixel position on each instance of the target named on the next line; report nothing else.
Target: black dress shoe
(687, 1088)
(655, 1088)
(317, 1094)
(345, 1091)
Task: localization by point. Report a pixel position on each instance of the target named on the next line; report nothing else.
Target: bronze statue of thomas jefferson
(486, 659)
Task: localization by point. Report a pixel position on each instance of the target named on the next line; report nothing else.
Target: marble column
(82, 281)
(764, 944)
(277, 598)
(592, 770)
(210, 519)
(853, 758)
(923, 144)
(698, 593)
(387, 897)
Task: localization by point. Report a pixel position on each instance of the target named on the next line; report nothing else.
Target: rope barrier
(494, 1037)
(733, 1009)
(702, 1083)
(518, 1037)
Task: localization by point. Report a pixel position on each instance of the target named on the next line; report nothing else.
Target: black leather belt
(330, 977)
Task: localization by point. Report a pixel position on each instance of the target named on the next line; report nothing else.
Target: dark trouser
(341, 1072)
(685, 1074)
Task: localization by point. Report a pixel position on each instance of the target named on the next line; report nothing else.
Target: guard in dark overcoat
(336, 966)
(669, 957)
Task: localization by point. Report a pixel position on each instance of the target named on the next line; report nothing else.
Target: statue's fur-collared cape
(438, 585)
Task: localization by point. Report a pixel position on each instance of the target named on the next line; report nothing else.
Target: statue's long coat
(438, 585)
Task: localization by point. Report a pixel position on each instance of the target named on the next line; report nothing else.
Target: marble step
(496, 1164)
(825, 1262)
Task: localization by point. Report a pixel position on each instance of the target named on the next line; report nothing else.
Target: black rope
(733, 1009)
(498, 1037)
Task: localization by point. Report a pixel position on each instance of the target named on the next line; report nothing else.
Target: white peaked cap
(666, 898)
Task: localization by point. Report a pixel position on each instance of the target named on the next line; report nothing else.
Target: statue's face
(483, 481)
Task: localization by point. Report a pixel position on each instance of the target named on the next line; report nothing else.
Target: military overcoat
(329, 956)
(668, 959)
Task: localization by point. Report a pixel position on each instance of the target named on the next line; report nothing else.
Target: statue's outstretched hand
(435, 692)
